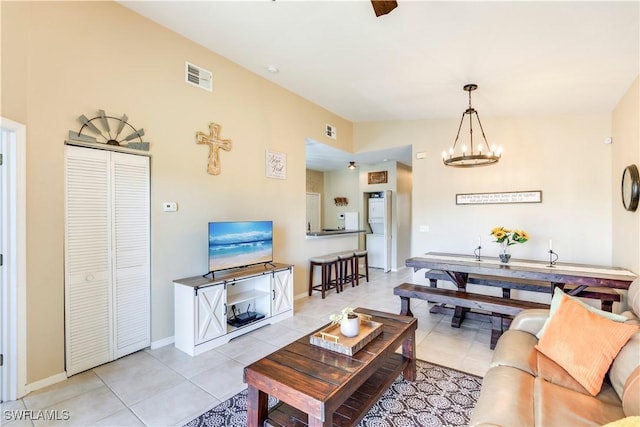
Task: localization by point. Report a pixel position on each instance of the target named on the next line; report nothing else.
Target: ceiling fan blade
(382, 7)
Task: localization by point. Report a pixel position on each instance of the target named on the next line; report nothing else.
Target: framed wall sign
(276, 165)
(497, 198)
(377, 177)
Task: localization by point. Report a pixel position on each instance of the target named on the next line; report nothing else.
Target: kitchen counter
(335, 232)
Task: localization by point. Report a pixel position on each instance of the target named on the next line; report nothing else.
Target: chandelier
(471, 156)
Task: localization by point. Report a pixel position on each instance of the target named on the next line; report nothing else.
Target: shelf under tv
(245, 296)
(243, 319)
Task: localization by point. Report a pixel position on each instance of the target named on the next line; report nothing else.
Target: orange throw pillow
(583, 343)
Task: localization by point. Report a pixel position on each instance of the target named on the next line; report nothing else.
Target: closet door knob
(89, 278)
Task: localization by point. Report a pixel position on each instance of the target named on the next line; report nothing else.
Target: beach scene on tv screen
(236, 244)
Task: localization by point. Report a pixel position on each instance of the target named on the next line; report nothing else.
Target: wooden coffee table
(319, 387)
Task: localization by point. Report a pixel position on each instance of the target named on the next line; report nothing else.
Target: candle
(550, 244)
(479, 241)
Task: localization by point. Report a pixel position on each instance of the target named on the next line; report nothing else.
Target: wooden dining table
(458, 267)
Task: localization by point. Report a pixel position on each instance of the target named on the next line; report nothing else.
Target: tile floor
(166, 387)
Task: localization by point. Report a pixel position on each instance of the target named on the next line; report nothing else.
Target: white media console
(210, 312)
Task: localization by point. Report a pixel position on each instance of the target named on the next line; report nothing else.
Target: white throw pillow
(555, 303)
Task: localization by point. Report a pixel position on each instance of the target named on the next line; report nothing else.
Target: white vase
(350, 327)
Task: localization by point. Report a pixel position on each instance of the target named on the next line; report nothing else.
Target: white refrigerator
(379, 240)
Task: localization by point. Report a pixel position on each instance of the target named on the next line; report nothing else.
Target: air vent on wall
(198, 76)
(331, 131)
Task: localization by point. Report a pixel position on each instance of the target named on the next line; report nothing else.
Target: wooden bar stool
(357, 255)
(326, 264)
(347, 268)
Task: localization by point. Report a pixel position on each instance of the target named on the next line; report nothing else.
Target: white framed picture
(494, 198)
(276, 165)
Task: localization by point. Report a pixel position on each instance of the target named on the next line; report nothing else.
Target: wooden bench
(501, 310)
(606, 296)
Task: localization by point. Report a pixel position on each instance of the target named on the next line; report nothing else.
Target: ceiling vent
(198, 76)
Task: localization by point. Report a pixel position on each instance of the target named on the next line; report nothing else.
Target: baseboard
(300, 296)
(162, 343)
(45, 382)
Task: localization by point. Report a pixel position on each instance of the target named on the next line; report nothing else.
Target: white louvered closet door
(107, 281)
(131, 256)
(88, 316)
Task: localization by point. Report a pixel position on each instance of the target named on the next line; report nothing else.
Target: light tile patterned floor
(166, 387)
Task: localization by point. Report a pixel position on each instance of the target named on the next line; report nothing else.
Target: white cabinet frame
(202, 305)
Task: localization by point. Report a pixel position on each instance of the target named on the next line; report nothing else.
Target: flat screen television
(239, 244)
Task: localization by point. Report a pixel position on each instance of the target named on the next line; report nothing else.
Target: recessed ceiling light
(273, 69)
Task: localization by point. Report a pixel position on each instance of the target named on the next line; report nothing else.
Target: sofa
(530, 384)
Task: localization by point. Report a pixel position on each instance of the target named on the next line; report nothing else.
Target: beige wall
(315, 181)
(563, 156)
(61, 60)
(626, 151)
(339, 183)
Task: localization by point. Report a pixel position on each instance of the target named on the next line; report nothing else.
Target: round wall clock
(630, 188)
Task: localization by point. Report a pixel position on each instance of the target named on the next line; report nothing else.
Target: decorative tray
(331, 338)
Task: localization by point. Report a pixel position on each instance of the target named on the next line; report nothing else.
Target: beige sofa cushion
(555, 374)
(625, 370)
(530, 320)
(624, 367)
(516, 349)
(511, 397)
(506, 399)
(559, 406)
(631, 396)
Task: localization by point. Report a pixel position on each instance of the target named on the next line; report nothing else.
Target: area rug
(439, 397)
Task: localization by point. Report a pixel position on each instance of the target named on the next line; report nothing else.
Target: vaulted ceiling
(527, 57)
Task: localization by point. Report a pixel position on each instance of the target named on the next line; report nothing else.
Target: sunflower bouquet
(508, 237)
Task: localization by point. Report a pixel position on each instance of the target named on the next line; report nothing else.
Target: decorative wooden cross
(214, 146)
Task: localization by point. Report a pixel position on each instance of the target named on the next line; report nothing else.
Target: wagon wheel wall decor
(109, 130)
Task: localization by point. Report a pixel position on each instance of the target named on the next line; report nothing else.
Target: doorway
(13, 257)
